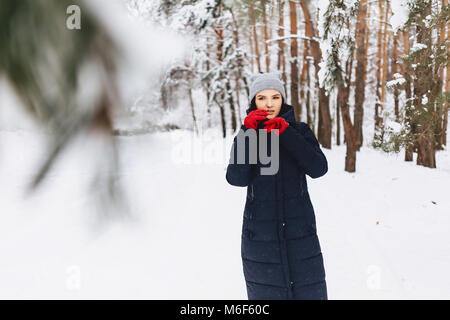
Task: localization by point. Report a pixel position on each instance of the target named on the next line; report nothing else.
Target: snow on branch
(293, 36)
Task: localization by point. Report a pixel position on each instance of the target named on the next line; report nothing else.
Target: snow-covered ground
(384, 230)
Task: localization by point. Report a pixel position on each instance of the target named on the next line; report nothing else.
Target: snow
(417, 47)
(399, 13)
(398, 80)
(393, 126)
(383, 229)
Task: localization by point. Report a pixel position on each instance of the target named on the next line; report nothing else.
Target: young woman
(281, 254)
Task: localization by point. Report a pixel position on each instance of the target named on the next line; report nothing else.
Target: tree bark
(303, 84)
(349, 130)
(240, 66)
(233, 115)
(238, 101)
(386, 33)
(394, 71)
(281, 63)
(309, 117)
(325, 125)
(409, 150)
(360, 72)
(425, 138)
(189, 89)
(378, 132)
(438, 106)
(338, 122)
(255, 35)
(252, 52)
(446, 86)
(294, 60)
(222, 115)
(447, 90)
(266, 37)
(208, 106)
(220, 40)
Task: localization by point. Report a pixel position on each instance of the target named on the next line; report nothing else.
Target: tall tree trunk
(350, 156)
(303, 85)
(349, 130)
(252, 52)
(438, 106)
(222, 115)
(229, 95)
(305, 91)
(294, 60)
(338, 121)
(281, 63)
(439, 128)
(325, 125)
(266, 37)
(309, 118)
(189, 89)
(240, 65)
(251, 12)
(360, 81)
(189, 92)
(394, 71)
(425, 141)
(409, 150)
(446, 86)
(219, 33)
(238, 100)
(208, 95)
(368, 37)
(271, 16)
(446, 109)
(378, 132)
(386, 33)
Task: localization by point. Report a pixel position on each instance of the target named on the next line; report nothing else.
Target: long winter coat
(281, 254)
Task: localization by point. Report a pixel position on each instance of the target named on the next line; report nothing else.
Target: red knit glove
(251, 121)
(276, 123)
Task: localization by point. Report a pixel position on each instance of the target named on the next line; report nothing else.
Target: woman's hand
(276, 123)
(253, 118)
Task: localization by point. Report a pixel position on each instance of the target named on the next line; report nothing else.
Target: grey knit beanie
(267, 80)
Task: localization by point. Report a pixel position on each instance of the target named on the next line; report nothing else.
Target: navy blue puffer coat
(281, 254)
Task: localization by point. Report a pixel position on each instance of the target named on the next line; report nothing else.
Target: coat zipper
(251, 196)
(251, 199)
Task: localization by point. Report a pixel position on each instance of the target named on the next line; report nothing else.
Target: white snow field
(384, 230)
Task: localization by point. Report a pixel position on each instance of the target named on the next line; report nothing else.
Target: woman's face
(269, 100)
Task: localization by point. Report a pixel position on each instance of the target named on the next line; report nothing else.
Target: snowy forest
(117, 118)
(340, 60)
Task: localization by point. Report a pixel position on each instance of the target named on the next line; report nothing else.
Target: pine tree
(338, 18)
(425, 106)
(45, 63)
